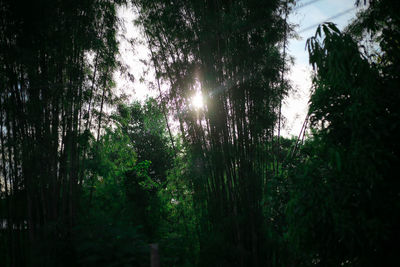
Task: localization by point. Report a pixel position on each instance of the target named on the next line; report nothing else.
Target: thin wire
(330, 18)
(261, 22)
(306, 4)
(229, 83)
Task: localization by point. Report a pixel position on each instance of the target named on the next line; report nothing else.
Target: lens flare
(197, 100)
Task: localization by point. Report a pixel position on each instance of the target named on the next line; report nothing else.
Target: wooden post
(154, 256)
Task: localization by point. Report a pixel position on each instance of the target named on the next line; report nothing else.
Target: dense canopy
(89, 177)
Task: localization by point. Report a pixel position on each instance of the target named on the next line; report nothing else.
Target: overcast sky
(295, 107)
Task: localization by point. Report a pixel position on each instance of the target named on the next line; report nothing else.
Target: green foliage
(124, 190)
(343, 208)
(57, 60)
(145, 126)
(102, 241)
(107, 233)
(179, 228)
(231, 52)
(225, 191)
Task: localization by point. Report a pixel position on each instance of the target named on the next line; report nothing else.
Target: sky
(294, 108)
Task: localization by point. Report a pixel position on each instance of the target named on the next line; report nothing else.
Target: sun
(197, 101)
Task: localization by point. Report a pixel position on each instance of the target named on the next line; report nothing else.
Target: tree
(146, 128)
(344, 205)
(113, 206)
(230, 51)
(125, 188)
(57, 59)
